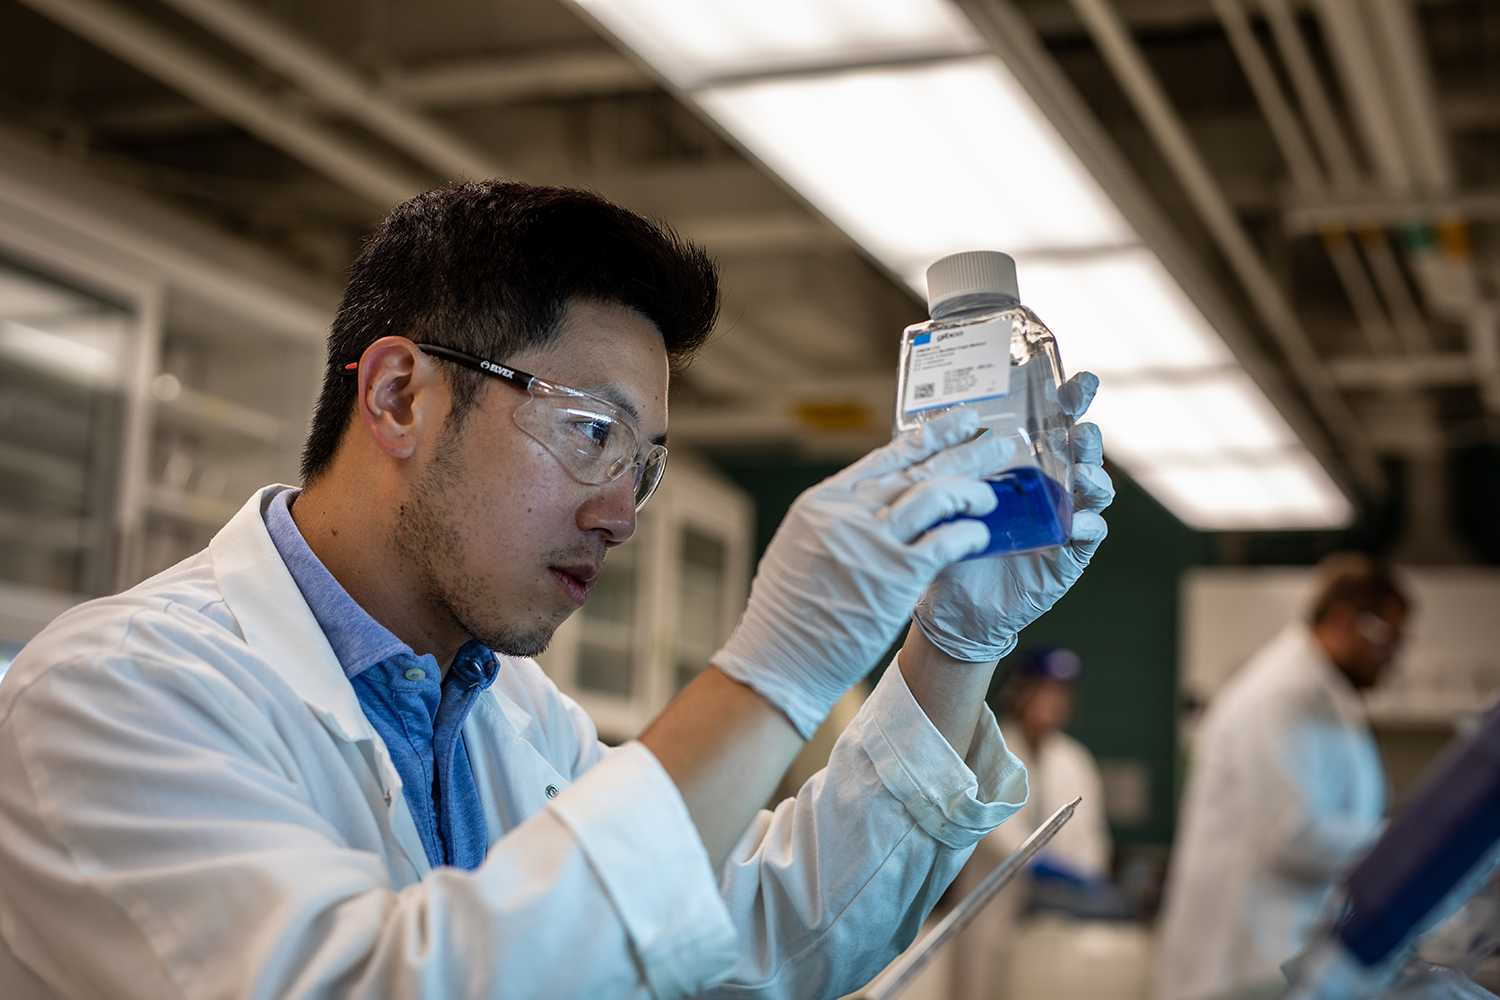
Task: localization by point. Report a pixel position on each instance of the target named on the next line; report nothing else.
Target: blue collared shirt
(417, 711)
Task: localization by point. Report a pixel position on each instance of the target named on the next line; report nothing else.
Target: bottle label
(962, 365)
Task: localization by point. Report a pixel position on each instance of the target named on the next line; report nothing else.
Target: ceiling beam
(560, 75)
(134, 40)
(1411, 372)
(336, 86)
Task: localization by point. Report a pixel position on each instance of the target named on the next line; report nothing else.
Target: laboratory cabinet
(153, 373)
(92, 500)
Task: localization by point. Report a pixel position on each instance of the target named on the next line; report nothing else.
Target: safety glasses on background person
(593, 438)
(1375, 629)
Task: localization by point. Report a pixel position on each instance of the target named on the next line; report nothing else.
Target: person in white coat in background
(1285, 791)
(1037, 701)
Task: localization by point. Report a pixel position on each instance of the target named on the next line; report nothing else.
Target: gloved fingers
(943, 431)
(927, 503)
(1077, 393)
(1093, 490)
(1089, 529)
(1087, 444)
(978, 457)
(948, 543)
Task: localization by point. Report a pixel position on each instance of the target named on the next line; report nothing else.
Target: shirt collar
(358, 640)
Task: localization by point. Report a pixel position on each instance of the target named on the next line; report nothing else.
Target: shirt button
(387, 798)
(416, 674)
(551, 791)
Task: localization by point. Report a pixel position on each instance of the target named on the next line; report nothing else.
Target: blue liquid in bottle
(1033, 512)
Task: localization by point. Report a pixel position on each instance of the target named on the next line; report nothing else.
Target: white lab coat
(193, 805)
(1285, 791)
(1058, 771)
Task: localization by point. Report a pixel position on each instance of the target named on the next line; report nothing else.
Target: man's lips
(576, 579)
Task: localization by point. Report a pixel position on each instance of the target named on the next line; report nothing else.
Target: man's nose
(610, 510)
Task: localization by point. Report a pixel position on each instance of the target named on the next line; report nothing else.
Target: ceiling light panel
(1292, 492)
(1216, 414)
(1118, 311)
(895, 157)
(698, 42)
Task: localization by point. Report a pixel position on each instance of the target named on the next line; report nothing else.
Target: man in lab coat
(316, 759)
(1285, 791)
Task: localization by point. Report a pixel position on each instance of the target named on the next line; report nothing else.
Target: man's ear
(400, 392)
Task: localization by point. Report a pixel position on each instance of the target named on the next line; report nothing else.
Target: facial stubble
(428, 534)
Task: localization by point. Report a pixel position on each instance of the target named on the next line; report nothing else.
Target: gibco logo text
(951, 334)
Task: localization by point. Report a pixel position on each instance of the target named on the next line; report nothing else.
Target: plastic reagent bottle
(983, 349)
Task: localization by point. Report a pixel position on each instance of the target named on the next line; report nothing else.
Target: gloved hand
(973, 611)
(841, 575)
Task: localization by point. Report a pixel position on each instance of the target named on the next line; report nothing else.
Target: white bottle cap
(970, 272)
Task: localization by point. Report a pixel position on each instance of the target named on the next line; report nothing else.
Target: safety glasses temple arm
(521, 380)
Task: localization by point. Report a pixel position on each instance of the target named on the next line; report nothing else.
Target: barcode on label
(923, 391)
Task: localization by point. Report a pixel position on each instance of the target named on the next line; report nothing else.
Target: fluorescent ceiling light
(696, 42)
(1118, 312)
(1291, 493)
(896, 159)
(891, 117)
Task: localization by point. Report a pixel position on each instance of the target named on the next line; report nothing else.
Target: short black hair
(489, 267)
(1351, 578)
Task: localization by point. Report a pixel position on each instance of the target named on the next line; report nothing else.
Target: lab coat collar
(277, 622)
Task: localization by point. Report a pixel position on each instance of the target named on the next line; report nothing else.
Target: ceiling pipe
(1307, 176)
(566, 74)
(1012, 37)
(1413, 94)
(1484, 349)
(1407, 321)
(1354, 55)
(1129, 66)
(148, 48)
(1398, 107)
(328, 81)
(1326, 130)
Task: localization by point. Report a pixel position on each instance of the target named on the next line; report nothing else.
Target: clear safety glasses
(593, 438)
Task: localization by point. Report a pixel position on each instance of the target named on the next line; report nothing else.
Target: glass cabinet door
(606, 642)
(701, 587)
(60, 412)
(229, 406)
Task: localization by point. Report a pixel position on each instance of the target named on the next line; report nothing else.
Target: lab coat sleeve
(1317, 836)
(157, 841)
(834, 883)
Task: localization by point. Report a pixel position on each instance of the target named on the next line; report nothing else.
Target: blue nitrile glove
(974, 610)
(841, 576)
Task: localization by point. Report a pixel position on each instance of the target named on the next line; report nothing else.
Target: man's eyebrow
(615, 395)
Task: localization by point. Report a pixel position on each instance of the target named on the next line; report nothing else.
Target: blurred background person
(1036, 702)
(1285, 791)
